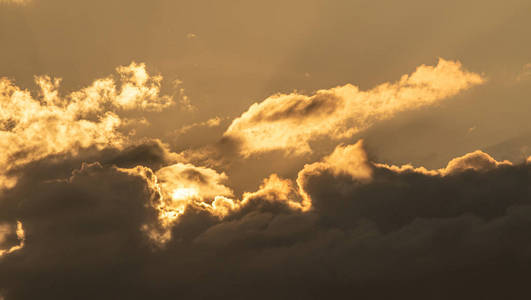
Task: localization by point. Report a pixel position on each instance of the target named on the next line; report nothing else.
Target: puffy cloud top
(33, 127)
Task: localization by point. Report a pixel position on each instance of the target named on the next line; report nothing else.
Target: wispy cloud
(288, 122)
(18, 2)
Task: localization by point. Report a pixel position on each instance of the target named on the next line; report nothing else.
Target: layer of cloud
(372, 230)
(92, 214)
(289, 122)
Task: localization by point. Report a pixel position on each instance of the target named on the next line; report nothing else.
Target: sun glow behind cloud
(90, 117)
(181, 194)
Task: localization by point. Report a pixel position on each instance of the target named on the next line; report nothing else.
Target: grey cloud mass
(403, 234)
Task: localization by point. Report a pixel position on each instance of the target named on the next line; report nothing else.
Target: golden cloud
(276, 189)
(177, 187)
(19, 2)
(212, 122)
(478, 161)
(32, 128)
(20, 235)
(288, 122)
(348, 160)
(183, 184)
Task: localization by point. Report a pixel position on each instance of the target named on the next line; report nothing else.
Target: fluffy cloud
(91, 214)
(185, 184)
(289, 121)
(33, 127)
(372, 230)
(477, 161)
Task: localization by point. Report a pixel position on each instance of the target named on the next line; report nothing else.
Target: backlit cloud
(477, 161)
(289, 122)
(212, 122)
(4, 230)
(367, 222)
(91, 208)
(33, 127)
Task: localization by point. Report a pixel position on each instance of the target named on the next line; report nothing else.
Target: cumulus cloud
(186, 184)
(477, 161)
(348, 160)
(35, 126)
(372, 230)
(181, 187)
(91, 214)
(288, 122)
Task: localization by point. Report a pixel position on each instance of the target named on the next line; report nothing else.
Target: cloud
(350, 160)
(184, 100)
(4, 231)
(288, 122)
(212, 122)
(182, 187)
(19, 2)
(91, 213)
(477, 161)
(372, 230)
(525, 73)
(33, 127)
(183, 184)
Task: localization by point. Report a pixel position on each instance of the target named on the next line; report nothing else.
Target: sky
(257, 149)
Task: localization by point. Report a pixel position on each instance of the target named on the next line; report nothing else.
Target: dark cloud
(81, 232)
(150, 153)
(406, 235)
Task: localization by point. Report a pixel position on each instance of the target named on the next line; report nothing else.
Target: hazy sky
(182, 145)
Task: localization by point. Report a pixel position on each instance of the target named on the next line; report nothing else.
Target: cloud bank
(371, 231)
(88, 212)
